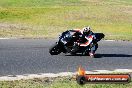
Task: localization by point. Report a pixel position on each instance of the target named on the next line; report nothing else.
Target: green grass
(56, 83)
(34, 3)
(48, 18)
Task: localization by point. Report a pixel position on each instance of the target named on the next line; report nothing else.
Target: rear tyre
(73, 53)
(55, 50)
(86, 53)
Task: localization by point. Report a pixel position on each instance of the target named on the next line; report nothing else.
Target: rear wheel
(55, 50)
(73, 53)
(86, 53)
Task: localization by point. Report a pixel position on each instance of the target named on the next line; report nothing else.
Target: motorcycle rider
(90, 37)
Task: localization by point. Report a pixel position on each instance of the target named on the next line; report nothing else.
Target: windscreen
(66, 36)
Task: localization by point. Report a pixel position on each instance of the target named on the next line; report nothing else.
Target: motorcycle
(68, 41)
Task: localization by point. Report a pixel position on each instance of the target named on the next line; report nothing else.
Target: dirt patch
(92, 0)
(127, 9)
(9, 26)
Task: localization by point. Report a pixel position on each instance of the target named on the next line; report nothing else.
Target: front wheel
(55, 50)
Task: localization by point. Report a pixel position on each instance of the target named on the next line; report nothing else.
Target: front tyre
(55, 50)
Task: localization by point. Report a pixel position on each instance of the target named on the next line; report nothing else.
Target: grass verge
(48, 18)
(65, 82)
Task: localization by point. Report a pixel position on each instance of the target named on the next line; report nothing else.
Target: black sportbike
(68, 43)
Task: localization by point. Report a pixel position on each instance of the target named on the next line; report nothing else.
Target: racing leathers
(89, 43)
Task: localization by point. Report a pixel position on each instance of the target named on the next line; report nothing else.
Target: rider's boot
(91, 54)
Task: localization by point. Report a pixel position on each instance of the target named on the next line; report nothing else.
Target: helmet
(86, 30)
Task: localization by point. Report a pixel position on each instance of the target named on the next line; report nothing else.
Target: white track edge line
(61, 74)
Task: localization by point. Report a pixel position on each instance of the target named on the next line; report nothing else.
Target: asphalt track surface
(31, 56)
